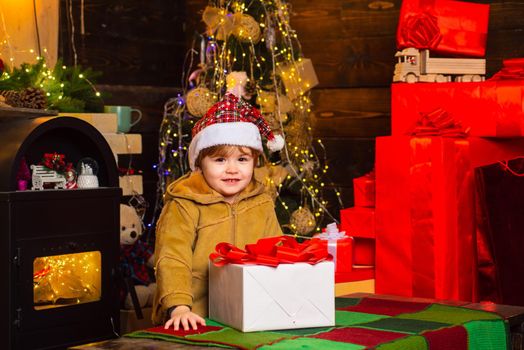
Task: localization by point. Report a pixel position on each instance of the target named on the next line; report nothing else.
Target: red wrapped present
(363, 252)
(354, 257)
(493, 108)
(358, 222)
(425, 219)
(447, 27)
(340, 246)
(357, 273)
(364, 190)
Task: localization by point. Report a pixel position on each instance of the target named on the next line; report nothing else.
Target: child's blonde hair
(225, 151)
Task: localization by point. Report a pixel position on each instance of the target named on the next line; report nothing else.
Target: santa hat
(232, 121)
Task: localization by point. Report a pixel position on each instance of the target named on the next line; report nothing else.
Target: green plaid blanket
(363, 323)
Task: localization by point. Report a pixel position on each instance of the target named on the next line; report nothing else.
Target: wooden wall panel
(347, 158)
(132, 42)
(356, 112)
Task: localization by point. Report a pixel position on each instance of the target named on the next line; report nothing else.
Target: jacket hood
(194, 187)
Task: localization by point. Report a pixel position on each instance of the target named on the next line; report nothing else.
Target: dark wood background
(140, 48)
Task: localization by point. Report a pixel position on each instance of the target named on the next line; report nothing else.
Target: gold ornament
(220, 23)
(199, 100)
(298, 134)
(246, 28)
(302, 221)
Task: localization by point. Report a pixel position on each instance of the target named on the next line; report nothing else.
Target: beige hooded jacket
(194, 220)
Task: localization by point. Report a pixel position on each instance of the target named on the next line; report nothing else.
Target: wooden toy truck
(415, 65)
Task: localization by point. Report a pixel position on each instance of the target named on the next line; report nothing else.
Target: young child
(219, 201)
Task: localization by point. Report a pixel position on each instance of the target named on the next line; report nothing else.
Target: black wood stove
(59, 247)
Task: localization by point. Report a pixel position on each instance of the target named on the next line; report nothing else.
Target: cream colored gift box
(298, 78)
(257, 298)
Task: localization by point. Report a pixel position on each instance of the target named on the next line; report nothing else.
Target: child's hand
(182, 315)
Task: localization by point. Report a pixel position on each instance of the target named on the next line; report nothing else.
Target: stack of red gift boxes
(355, 249)
(425, 224)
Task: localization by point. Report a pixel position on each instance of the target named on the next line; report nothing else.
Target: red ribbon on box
(271, 251)
(511, 69)
(438, 123)
(446, 27)
(490, 108)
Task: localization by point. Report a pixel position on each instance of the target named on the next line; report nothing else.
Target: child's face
(228, 174)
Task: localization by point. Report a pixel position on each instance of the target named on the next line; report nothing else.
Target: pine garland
(68, 89)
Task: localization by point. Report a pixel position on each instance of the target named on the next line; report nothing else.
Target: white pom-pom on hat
(276, 143)
(236, 83)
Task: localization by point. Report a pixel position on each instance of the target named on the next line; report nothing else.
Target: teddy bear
(136, 260)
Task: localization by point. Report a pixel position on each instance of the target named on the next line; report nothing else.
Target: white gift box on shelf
(257, 298)
(103, 122)
(131, 184)
(124, 143)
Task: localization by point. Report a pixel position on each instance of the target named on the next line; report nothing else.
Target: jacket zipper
(234, 224)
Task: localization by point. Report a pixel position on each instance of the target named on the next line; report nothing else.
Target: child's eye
(220, 159)
(243, 159)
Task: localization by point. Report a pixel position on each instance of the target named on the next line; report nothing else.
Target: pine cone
(28, 98)
(12, 97)
(33, 98)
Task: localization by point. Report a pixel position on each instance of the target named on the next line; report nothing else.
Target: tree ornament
(218, 22)
(298, 77)
(199, 100)
(302, 221)
(246, 28)
(298, 134)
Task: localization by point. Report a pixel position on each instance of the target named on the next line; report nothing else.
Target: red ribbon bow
(438, 123)
(271, 251)
(421, 31)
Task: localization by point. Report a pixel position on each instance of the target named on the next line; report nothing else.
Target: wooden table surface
(513, 314)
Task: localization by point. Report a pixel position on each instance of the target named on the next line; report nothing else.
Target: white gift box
(258, 298)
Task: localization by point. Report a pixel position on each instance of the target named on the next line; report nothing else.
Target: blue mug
(124, 117)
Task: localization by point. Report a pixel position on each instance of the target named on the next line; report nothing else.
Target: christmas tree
(254, 37)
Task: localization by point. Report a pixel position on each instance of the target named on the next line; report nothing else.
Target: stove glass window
(69, 279)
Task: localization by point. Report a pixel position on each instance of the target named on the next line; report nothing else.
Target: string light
(70, 278)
